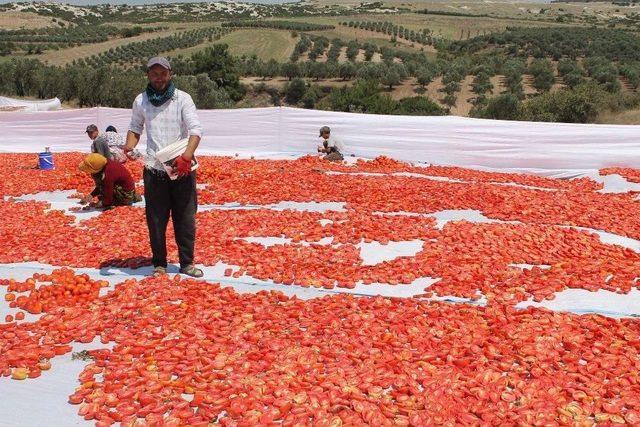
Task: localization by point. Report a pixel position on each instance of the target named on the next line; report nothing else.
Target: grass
(16, 20)
(629, 117)
(264, 43)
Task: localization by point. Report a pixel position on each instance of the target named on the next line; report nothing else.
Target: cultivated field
(448, 27)
(65, 56)
(18, 20)
(264, 43)
(452, 42)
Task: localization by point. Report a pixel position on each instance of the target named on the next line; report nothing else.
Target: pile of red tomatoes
(193, 353)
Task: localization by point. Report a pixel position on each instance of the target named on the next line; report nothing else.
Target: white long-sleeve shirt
(110, 143)
(332, 142)
(174, 120)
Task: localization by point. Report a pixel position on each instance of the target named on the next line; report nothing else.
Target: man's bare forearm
(194, 141)
(132, 140)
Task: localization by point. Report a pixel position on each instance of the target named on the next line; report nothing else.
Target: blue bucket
(45, 160)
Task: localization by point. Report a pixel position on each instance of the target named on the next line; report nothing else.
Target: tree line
(58, 37)
(399, 31)
(213, 76)
(134, 54)
(364, 96)
(581, 54)
(581, 104)
(318, 45)
(72, 32)
(452, 13)
(556, 43)
(280, 25)
(212, 82)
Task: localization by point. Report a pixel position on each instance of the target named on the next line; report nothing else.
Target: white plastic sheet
(551, 149)
(10, 104)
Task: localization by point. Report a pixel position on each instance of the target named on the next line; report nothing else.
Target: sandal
(192, 270)
(159, 271)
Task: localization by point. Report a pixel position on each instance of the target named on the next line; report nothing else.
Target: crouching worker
(114, 184)
(110, 144)
(330, 146)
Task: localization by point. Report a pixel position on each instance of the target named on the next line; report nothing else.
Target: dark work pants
(164, 196)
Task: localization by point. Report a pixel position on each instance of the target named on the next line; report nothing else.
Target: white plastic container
(168, 154)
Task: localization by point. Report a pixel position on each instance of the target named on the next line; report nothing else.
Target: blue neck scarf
(159, 98)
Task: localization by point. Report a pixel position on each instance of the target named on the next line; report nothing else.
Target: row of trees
(88, 86)
(603, 71)
(571, 73)
(72, 35)
(7, 48)
(211, 76)
(320, 44)
(452, 77)
(212, 80)
(303, 45)
(212, 84)
(513, 71)
(393, 30)
(631, 72)
(581, 104)
(317, 45)
(37, 44)
(597, 69)
(453, 72)
(452, 13)
(365, 96)
(543, 75)
(391, 74)
(136, 53)
(280, 25)
(557, 43)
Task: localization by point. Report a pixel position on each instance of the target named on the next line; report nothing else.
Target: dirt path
(626, 86)
(464, 97)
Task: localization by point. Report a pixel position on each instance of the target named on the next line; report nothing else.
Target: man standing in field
(169, 115)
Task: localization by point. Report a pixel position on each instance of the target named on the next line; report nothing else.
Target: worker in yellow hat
(114, 184)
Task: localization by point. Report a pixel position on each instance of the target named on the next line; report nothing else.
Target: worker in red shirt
(114, 184)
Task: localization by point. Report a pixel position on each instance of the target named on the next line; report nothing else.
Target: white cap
(159, 60)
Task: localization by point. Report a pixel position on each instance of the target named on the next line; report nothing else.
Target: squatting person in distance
(330, 146)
